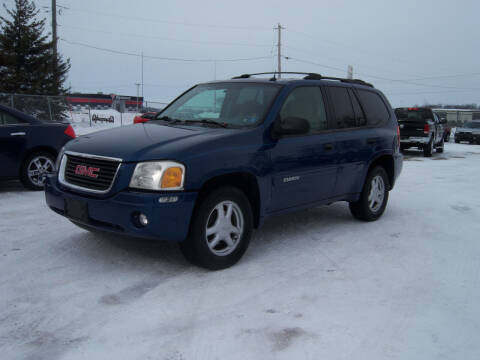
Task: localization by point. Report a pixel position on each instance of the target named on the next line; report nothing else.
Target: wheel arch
(386, 161)
(36, 149)
(245, 181)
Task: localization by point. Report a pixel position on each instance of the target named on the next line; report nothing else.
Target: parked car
(421, 128)
(144, 117)
(470, 132)
(29, 147)
(271, 146)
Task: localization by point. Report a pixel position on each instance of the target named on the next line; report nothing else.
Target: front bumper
(116, 214)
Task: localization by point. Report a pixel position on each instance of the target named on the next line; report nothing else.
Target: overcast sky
(416, 52)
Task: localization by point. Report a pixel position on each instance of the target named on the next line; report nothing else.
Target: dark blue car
(225, 155)
(29, 146)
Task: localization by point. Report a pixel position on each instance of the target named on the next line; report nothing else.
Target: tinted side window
(359, 115)
(375, 109)
(342, 105)
(306, 103)
(7, 119)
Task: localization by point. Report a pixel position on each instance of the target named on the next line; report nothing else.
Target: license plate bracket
(76, 209)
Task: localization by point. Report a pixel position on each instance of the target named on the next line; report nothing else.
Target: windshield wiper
(208, 121)
(169, 119)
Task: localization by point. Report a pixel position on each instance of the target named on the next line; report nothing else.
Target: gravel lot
(314, 284)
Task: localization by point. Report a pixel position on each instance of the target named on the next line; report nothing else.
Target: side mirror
(291, 126)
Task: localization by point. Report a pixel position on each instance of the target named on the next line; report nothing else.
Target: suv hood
(147, 141)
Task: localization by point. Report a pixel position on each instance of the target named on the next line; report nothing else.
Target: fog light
(140, 219)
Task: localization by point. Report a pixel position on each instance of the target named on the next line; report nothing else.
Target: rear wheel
(428, 148)
(220, 231)
(374, 196)
(35, 168)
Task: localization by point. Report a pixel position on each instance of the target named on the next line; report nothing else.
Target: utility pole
(54, 39)
(142, 75)
(138, 87)
(279, 28)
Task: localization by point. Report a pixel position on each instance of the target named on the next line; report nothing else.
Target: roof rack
(308, 76)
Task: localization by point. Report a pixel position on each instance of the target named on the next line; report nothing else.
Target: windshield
(472, 125)
(413, 114)
(235, 105)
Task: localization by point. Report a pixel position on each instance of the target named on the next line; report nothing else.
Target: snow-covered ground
(315, 284)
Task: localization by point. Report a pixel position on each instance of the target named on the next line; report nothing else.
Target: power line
(132, 18)
(163, 38)
(380, 77)
(119, 52)
(357, 49)
(430, 92)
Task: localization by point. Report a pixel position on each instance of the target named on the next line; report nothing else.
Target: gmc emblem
(89, 171)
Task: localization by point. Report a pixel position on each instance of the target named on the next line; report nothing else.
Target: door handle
(328, 147)
(21, 133)
(371, 141)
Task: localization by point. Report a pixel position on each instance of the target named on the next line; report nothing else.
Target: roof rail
(308, 76)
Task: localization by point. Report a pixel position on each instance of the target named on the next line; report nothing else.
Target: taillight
(426, 129)
(139, 120)
(70, 132)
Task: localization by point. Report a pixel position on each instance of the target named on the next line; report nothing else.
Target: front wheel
(374, 196)
(35, 168)
(220, 231)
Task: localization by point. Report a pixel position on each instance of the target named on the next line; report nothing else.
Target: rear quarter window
(375, 109)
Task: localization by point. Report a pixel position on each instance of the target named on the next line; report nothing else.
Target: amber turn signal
(172, 178)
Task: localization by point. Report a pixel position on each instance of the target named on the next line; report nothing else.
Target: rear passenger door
(356, 138)
(304, 167)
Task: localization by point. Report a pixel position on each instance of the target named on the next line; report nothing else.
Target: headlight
(158, 175)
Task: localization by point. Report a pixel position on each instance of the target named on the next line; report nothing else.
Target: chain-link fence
(80, 110)
(51, 108)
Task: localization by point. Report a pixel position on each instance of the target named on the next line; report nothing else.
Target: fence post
(49, 108)
(89, 115)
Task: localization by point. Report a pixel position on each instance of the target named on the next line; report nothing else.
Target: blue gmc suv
(225, 155)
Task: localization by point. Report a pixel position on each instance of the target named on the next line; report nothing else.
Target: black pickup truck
(421, 128)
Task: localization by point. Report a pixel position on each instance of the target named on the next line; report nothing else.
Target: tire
(34, 168)
(457, 141)
(440, 148)
(214, 251)
(428, 148)
(363, 209)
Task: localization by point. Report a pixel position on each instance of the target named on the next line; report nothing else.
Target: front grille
(106, 172)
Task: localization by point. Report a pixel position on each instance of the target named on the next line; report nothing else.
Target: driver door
(304, 166)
